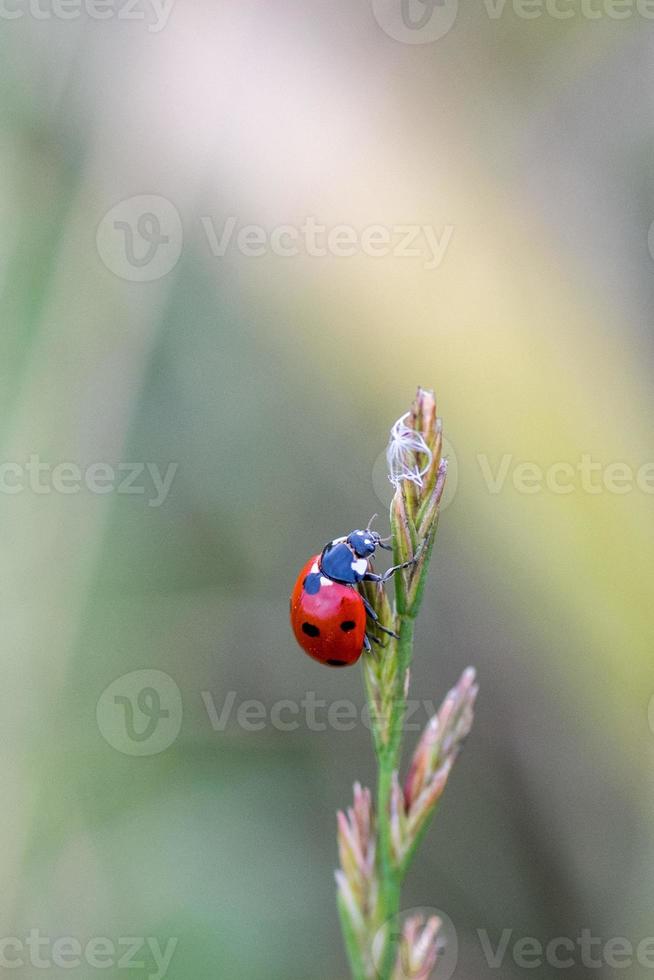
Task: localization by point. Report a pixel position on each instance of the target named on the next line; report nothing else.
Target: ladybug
(328, 614)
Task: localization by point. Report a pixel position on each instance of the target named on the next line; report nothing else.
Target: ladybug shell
(328, 619)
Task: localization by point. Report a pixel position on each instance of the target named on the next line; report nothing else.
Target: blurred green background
(271, 382)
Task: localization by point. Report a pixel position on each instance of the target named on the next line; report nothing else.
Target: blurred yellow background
(510, 157)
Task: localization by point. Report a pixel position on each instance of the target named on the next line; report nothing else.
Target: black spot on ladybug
(311, 584)
(348, 625)
(310, 629)
(337, 663)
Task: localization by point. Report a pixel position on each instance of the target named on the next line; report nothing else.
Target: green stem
(387, 741)
(389, 881)
(390, 876)
(388, 759)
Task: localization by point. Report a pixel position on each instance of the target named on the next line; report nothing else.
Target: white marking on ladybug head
(314, 568)
(360, 565)
(325, 581)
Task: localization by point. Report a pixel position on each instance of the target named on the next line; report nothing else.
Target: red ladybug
(328, 614)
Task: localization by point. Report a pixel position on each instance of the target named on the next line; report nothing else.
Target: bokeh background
(271, 383)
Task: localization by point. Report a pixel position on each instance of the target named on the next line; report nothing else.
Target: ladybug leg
(373, 577)
(366, 642)
(375, 618)
(396, 568)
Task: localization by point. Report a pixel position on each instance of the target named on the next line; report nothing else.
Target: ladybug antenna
(370, 521)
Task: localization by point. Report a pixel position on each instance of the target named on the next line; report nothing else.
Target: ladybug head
(363, 543)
